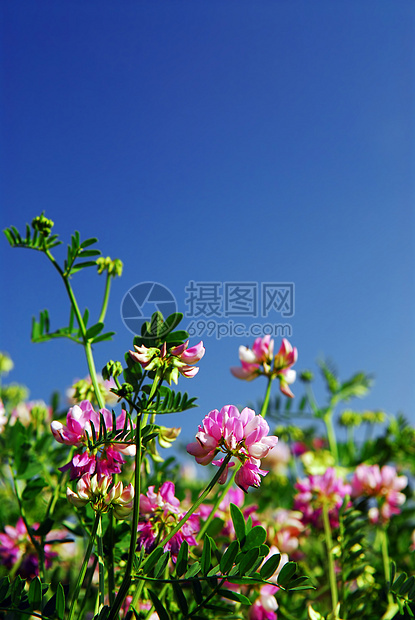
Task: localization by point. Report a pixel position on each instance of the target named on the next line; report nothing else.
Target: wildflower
(160, 512)
(81, 421)
(260, 360)
(288, 527)
(385, 485)
(237, 434)
(98, 491)
(36, 411)
(16, 548)
(266, 604)
(318, 490)
(83, 389)
(3, 417)
(178, 360)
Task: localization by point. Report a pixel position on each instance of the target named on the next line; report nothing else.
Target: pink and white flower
(103, 496)
(243, 435)
(317, 490)
(385, 485)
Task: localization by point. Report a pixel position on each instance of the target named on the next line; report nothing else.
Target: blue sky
(220, 141)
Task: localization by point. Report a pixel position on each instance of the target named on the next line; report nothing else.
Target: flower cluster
(318, 490)
(385, 485)
(260, 360)
(98, 491)
(170, 363)
(243, 435)
(159, 513)
(81, 422)
(16, 548)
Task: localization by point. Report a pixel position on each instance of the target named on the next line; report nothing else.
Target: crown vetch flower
(17, 548)
(260, 361)
(107, 458)
(243, 435)
(385, 485)
(317, 490)
(159, 513)
(178, 360)
(98, 491)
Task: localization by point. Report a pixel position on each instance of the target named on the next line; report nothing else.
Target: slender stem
(84, 567)
(265, 404)
(197, 503)
(122, 592)
(386, 561)
(329, 545)
(106, 298)
(137, 594)
(219, 499)
(331, 435)
(101, 567)
(111, 576)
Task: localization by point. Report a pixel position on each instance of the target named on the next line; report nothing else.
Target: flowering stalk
(329, 545)
(197, 503)
(84, 567)
(101, 567)
(219, 499)
(86, 342)
(122, 592)
(386, 561)
(106, 298)
(265, 404)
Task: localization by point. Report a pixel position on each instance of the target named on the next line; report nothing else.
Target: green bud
(42, 224)
(112, 369)
(306, 376)
(6, 363)
(114, 267)
(126, 390)
(350, 418)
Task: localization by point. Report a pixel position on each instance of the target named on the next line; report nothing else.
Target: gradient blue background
(216, 140)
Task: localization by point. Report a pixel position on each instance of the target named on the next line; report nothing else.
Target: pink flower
(243, 435)
(260, 361)
(180, 359)
(159, 513)
(317, 490)
(98, 491)
(80, 420)
(288, 528)
(17, 548)
(384, 485)
(266, 605)
(189, 355)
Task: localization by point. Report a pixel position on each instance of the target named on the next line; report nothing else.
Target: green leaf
(405, 588)
(287, 571)
(33, 488)
(229, 556)
(35, 593)
(398, 583)
(88, 242)
(79, 266)
(180, 598)
(152, 560)
(158, 606)
(89, 253)
(206, 555)
(102, 337)
(94, 330)
(238, 521)
(270, 566)
(16, 590)
(60, 602)
(193, 570)
(161, 564)
(4, 587)
(248, 560)
(255, 537)
(234, 596)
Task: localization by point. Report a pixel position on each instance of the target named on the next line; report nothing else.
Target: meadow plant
(97, 524)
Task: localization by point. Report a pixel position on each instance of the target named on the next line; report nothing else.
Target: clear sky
(216, 141)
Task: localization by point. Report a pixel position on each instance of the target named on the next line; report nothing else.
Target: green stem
(197, 503)
(331, 435)
(265, 404)
(386, 561)
(111, 576)
(101, 567)
(86, 342)
(329, 545)
(105, 300)
(84, 567)
(137, 594)
(219, 499)
(122, 592)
